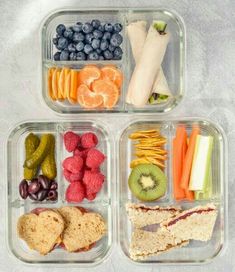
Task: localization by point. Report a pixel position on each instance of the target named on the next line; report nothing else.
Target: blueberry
(93, 56)
(101, 28)
(111, 48)
(80, 46)
(95, 43)
(98, 50)
(108, 27)
(71, 47)
(95, 23)
(87, 49)
(57, 56)
(68, 33)
(117, 53)
(104, 45)
(107, 35)
(101, 57)
(62, 43)
(97, 34)
(60, 29)
(81, 56)
(64, 55)
(77, 27)
(89, 37)
(58, 36)
(73, 56)
(108, 55)
(55, 41)
(117, 27)
(87, 28)
(78, 37)
(116, 39)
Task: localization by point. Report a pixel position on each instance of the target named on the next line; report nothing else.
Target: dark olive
(42, 195)
(33, 197)
(34, 186)
(23, 189)
(54, 185)
(52, 195)
(44, 181)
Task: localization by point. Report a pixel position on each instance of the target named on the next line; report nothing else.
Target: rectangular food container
(103, 204)
(196, 252)
(173, 64)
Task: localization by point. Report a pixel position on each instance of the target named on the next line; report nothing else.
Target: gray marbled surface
(210, 93)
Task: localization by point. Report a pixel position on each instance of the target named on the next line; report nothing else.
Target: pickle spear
(31, 143)
(40, 153)
(48, 166)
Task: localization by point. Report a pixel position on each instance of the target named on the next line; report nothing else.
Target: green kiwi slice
(147, 182)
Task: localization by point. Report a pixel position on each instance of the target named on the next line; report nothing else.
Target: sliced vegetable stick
(49, 82)
(187, 166)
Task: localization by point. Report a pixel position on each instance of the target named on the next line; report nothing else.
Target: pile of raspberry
(82, 169)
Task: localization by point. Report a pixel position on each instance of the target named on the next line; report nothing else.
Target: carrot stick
(179, 143)
(184, 184)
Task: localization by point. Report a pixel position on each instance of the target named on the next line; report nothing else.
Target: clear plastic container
(196, 252)
(102, 204)
(173, 65)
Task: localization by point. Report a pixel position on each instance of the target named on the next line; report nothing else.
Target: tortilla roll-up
(147, 67)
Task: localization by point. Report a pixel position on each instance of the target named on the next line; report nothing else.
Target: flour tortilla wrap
(147, 67)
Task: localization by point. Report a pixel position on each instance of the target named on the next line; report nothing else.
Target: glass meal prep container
(196, 252)
(173, 63)
(103, 203)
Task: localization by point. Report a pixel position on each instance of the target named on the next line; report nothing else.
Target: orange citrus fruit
(88, 99)
(113, 74)
(108, 90)
(88, 74)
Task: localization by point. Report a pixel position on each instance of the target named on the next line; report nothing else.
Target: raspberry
(94, 158)
(67, 174)
(75, 192)
(77, 152)
(91, 197)
(89, 140)
(71, 141)
(93, 182)
(81, 152)
(76, 177)
(73, 164)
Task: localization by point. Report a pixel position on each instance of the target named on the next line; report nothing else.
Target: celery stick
(207, 193)
(201, 163)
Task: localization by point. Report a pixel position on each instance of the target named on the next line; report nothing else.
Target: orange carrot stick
(189, 159)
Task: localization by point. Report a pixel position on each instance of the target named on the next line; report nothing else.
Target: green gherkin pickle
(31, 143)
(48, 166)
(40, 153)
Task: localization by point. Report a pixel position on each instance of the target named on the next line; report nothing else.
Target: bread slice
(145, 243)
(196, 223)
(41, 231)
(81, 228)
(141, 215)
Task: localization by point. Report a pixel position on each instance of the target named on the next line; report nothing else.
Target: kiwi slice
(147, 182)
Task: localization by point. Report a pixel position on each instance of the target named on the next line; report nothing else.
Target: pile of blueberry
(88, 41)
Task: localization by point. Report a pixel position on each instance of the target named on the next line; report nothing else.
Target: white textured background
(210, 26)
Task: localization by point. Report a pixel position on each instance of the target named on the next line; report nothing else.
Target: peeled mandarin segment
(49, 82)
(108, 90)
(74, 86)
(88, 74)
(113, 74)
(55, 84)
(67, 85)
(88, 99)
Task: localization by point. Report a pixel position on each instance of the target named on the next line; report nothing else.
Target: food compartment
(17, 206)
(195, 251)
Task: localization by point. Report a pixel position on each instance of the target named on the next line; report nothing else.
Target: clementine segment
(88, 74)
(112, 73)
(88, 99)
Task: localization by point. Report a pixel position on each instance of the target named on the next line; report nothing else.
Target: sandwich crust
(141, 215)
(41, 231)
(82, 229)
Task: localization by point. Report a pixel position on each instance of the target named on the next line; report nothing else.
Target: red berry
(93, 182)
(71, 141)
(67, 174)
(75, 192)
(89, 140)
(73, 164)
(94, 158)
(91, 197)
